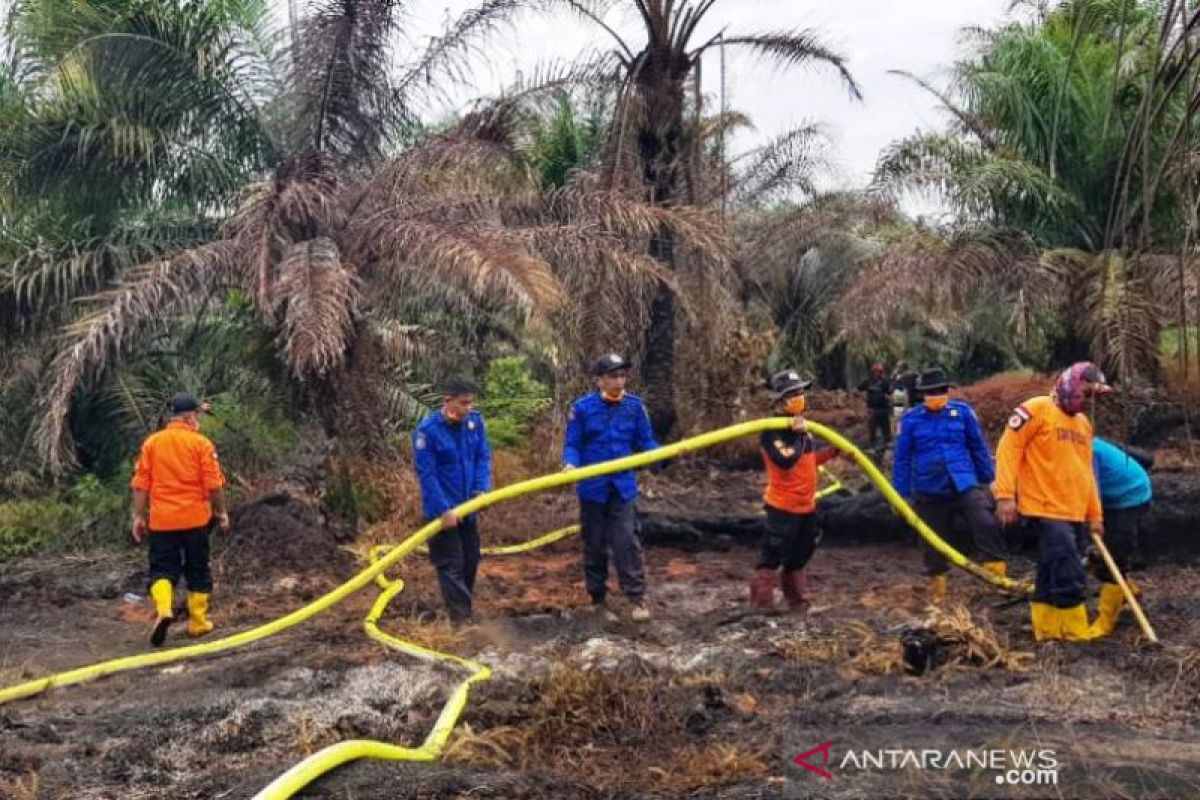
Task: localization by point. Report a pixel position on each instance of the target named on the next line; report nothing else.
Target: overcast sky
(920, 36)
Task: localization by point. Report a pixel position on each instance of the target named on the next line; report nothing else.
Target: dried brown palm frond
(620, 214)
(148, 298)
(930, 279)
(1113, 303)
(318, 294)
(477, 259)
(344, 103)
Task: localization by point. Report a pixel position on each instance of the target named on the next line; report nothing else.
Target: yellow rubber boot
(198, 622)
(1108, 611)
(162, 593)
(939, 585)
(996, 568)
(1067, 624)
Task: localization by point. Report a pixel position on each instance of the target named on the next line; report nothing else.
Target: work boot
(600, 608)
(795, 589)
(939, 585)
(1108, 611)
(996, 568)
(762, 588)
(198, 623)
(639, 612)
(161, 592)
(1067, 624)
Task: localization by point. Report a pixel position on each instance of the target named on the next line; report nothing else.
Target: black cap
(609, 363)
(459, 384)
(785, 383)
(932, 379)
(181, 403)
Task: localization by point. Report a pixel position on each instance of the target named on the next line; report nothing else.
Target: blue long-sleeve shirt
(941, 454)
(453, 461)
(601, 431)
(1122, 480)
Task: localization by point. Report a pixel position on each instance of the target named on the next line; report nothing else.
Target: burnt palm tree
(655, 136)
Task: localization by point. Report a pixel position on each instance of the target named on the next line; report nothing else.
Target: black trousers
(1061, 579)
(789, 540)
(612, 526)
(1122, 537)
(175, 554)
(879, 421)
(455, 554)
(974, 507)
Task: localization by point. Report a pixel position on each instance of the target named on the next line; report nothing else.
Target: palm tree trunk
(660, 149)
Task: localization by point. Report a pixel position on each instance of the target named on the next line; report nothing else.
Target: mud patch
(278, 537)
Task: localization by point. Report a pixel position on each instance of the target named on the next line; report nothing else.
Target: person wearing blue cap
(603, 425)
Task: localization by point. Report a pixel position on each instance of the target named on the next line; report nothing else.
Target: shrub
(512, 398)
(89, 515)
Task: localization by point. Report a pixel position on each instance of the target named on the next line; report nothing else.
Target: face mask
(613, 397)
(796, 405)
(937, 402)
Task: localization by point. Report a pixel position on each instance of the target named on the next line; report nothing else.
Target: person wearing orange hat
(177, 495)
(1044, 472)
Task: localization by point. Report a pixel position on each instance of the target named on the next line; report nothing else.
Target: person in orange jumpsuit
(1044, 472)
(177, 495)
(790, 535)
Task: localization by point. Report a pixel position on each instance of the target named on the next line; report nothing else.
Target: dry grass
(976, 642)
(21, 788)
(710, 765)
(860, 650)
(855, 646)
(433, 633)
(613, 730)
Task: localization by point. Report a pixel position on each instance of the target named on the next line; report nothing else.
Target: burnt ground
(705, 701)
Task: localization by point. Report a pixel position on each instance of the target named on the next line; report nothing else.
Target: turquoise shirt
(1123, 482)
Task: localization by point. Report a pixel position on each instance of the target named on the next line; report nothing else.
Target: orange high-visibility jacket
(792, 459)
(1044, 460)
(178, 468)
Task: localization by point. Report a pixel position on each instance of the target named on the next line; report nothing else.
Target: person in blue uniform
(1125, 496)
(603, 425)
(454, 464)
(942, 465)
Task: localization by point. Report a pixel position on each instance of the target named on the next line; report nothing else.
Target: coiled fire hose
(331, 757)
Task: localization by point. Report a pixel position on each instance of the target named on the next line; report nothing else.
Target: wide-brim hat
(787, 382)
(932, 379)
(612, 362)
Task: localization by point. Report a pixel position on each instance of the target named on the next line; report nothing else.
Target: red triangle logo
(823, 749)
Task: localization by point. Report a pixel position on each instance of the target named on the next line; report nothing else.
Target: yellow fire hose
(319, 763)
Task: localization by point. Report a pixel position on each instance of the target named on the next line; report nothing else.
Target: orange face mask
(937, 402)
(796, 405)
(613, 397)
